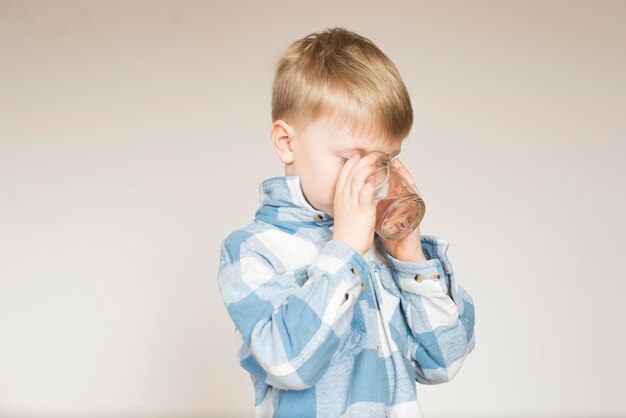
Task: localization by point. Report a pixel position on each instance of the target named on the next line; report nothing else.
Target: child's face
(319, 153)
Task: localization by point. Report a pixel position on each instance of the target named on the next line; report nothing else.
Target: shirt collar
(282, 203)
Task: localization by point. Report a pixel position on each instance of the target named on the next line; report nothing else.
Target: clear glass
(400, 207)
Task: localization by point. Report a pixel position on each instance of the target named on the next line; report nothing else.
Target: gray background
(134, 136)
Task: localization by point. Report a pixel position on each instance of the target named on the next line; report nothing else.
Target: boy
(334, 320)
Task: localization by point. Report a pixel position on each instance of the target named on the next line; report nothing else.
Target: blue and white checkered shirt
(327, 332)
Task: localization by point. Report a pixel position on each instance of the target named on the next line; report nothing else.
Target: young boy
(334, 320)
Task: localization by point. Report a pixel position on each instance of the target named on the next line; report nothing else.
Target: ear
(282, 136)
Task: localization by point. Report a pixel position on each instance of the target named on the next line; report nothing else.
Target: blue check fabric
(327, 332)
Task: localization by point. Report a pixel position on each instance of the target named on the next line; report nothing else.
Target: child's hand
(408, 248)
(354, 206)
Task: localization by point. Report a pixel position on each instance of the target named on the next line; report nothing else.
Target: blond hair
(340, 74)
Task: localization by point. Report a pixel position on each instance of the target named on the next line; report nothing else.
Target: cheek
(327, 179)
(331, 179)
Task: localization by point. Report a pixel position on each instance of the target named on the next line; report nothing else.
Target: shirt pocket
(354, 339)
(351, 344)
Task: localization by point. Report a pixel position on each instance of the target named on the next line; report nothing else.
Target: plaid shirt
(327, 332)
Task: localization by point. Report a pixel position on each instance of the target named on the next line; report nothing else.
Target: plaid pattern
(327, 332)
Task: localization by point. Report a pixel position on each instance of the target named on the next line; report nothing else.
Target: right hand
(354, 207)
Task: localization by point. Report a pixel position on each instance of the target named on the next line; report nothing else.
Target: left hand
(408, 248)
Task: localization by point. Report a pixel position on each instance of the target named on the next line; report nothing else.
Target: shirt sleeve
(439, 313)
(290, 328)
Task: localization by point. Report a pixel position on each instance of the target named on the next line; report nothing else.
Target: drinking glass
(399, 207)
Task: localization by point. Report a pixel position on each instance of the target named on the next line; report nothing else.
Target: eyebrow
(361, 150)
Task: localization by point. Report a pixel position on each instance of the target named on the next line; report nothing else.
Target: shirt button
(318, 217)
(377, 347)
(355, 271)
(435, 276)
(419, 278)
(362, 285)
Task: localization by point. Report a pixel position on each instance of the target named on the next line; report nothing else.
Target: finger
(405, 174)
(359, 178)
(344, 180)
(344, 172)
(366, 196)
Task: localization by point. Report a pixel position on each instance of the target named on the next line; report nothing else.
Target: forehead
(342, 138)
